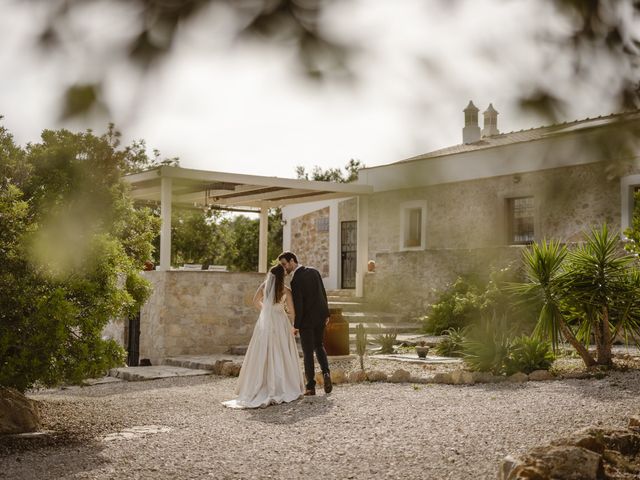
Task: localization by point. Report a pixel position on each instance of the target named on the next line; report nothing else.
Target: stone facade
(419, 275)
(473, 213)
(310, 241)
(466, 227)
(197, 312)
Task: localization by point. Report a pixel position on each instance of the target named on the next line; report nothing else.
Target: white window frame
(627, 185)
(404, 207)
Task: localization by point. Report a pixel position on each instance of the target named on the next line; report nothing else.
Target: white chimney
(490, 122)
(471, 130)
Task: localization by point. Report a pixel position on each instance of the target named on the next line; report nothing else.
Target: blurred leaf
(543, 103)
(81, 100)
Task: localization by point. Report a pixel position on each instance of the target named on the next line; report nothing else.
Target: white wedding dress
(270, 371)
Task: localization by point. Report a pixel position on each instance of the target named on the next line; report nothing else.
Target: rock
(420, 380)
(620, 462)
(462, 377)
(634, 422)
(561, 461)
(443, 378)
(585, 438)
(484, 377)
(508, 465)
(18, 414)
(400, 376)
(338, 376)
(541, 376)
(518, 377)
(376, 376)
(231, 369)
(217, 367)
(625, 441)
(357, 376)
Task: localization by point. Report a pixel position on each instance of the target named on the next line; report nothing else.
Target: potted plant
(422, 349)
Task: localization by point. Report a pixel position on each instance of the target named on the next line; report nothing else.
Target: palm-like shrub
(528, 354)
(592, 290)
(451, 345)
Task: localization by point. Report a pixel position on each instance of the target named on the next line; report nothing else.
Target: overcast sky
(244, 107)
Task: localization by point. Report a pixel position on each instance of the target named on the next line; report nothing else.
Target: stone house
(464, 208)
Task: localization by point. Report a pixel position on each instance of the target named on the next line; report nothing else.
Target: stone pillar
(165, 229)
(263, 240)
(363, 243)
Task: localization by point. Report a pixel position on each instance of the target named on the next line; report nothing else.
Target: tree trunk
(580, 348)
(604, 345)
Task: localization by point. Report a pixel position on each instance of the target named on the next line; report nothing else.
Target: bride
(270, 372)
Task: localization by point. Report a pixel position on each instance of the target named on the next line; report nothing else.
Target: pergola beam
(189, 188)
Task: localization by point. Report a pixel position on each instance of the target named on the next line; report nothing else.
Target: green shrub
(467, 300)
(486, 347)
(455, 308)
(451, 345)
(529, 354)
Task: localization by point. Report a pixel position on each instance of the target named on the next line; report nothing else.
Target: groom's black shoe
(309, 391)
(328, 386)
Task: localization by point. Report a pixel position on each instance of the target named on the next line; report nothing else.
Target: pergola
(188, 188)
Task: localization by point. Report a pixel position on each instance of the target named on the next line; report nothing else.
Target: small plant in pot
(422, 349)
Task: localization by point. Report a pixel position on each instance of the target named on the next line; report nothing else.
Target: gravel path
(367, 431)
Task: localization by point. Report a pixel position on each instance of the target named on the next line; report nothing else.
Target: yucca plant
(452, 343)
(528, 354)
(486, 346)
(595, 287)
(386, 341)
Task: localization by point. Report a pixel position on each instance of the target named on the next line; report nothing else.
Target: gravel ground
(366, 430)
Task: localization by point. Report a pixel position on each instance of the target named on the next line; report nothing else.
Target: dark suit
(312, 311)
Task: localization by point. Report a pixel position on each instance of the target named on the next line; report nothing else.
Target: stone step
(376, 317)
(345, 293)
(137, 374)
(373, 329)
(350, 306)
(201, 362)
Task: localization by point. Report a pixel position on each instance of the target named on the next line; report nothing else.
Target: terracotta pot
(336, 334)
(422, 351)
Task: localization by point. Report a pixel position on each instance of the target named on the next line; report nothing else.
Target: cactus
(361, 343)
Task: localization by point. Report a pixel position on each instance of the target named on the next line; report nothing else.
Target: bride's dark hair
(278, 291)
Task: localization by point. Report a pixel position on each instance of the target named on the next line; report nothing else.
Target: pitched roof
(529, 135)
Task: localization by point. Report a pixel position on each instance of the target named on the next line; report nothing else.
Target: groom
(312, 314)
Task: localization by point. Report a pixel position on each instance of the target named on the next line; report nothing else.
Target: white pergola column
(363, 243)
(263, 240)
(165, 228)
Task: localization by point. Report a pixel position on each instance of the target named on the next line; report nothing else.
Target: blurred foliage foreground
(72, 245)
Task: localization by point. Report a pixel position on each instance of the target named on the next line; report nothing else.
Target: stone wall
(116, 330)
(473, 213)
(416, 277)
(310, 243)
(197, 312)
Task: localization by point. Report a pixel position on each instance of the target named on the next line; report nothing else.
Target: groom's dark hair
(288, 256)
